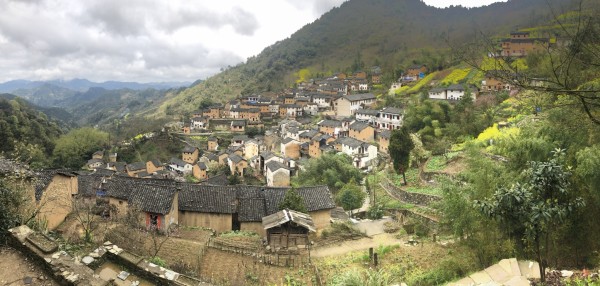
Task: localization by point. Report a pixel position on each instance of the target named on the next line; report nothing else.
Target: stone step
(480, 277)
(498, 274)
(511, 266)
(517, 281)
(529, 269)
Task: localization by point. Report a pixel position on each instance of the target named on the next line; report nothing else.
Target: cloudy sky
(147, 40)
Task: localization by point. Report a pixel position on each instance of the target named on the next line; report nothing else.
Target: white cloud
(142, 40)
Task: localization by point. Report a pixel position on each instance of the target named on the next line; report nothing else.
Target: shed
(288, 228)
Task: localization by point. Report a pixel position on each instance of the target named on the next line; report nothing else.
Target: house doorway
(235, 222)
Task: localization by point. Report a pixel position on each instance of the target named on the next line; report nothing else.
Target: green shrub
(421, 230)
(375, 211)
(239, 233)
(158, 261)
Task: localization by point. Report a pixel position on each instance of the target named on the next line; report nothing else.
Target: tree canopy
(332, 170)
(76, 147)
(293, 201)
(400, 146)
(351, 196)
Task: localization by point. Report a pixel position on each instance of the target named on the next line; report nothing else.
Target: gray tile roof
(285, 216)
(330, 123)
(208, 199)
(235, 158)
(202, 166)
(137, 166)
(178, 162)
(152, 198)
(358, 126)
(392, 110)
(275, 165)
(372, 112)
(385, 134)
(309, 134)
(349, 141)
(456, 87)
(360, 96)
(315, 198)
(44, 178)
(189, 149)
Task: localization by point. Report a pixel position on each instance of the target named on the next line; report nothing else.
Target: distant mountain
(84, 85)
(392, 34)
(65, 119)
(48, 93)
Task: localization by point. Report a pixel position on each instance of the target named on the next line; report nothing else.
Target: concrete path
(509, 272)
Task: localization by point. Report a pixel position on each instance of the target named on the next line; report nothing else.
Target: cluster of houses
(162, 203)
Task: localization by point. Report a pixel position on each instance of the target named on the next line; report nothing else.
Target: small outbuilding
(288, 228)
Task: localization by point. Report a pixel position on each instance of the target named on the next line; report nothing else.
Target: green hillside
(360, 34)
(25, 131)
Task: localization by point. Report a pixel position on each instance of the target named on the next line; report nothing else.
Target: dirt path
(15, 268)
(355, 245)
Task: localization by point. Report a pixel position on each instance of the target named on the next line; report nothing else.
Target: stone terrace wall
(410, 197)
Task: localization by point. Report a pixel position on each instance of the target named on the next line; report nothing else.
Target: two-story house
(389, 118)
(347, 105)
(190, 154)
(361, 131)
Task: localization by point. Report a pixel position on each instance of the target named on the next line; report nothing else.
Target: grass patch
(239, 233)
(427, 190)
(435, 164)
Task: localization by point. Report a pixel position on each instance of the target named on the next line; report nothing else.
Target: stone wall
(410, 197)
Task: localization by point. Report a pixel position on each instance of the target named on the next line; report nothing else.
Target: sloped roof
(284, 216)
(385, 134)
(136, 166)
(330, 123)
(87, 185)
(315, 198)
(235, 158)
(456, 87)
(349, 141)
(360, 96)
(44, 179)
(202, 166)
(156, 163)
(208, 199)
(219, 180)
(189, 149)
(392, 110)
(178, 162)
(275, 165)
(152, 198)
(309, 134)
(367, 111)
(120, 187)
(360, 126)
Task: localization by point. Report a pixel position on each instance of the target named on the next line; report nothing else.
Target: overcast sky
(147, 40)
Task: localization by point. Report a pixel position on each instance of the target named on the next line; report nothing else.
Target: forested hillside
(360, 34)
(25, 130)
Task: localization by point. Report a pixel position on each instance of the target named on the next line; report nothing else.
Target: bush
(421, 230)
(344, 230)
(448, 270)
(158, 261)
(239, 233)
(375, 212)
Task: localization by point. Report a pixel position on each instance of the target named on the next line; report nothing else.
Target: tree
(87, 214)
(351, 196)
(73, 149)
(400, 146)
(533, 209)
(293, 201)
(331, 170)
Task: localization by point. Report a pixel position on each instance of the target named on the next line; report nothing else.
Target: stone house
(520, 44)
(251, 148)
(94, 163)
(290, 148)
(154, 166)
(198, 123)
(134, 168)
(347, 105)
(190, 154)
(98, 155)
(330, 127)
(237, 164)
(158, 205)
(238, 126)
(53, 193)
(362, 153)
(383, 138)
(494, 82)
(361, 131)
(199, 170)
(415, 70)
(212, 144)
(366, 115)
(278, 175)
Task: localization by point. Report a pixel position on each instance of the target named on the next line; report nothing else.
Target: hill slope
(359, 34)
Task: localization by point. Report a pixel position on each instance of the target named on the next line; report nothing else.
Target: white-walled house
(180, 166)
(362, 153)
(389, 118)
(366, 115)
(437, 93)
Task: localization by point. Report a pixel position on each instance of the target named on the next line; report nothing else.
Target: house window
(120, 202)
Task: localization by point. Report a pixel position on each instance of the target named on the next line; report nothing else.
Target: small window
(120, 202)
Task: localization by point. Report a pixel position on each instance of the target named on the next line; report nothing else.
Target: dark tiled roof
(275, 165)
(202, 166)
(251, 209)
(238, 123)
(330, 123)
(287, 140)
(360, 96)
(349, 141)
(104, 172)
(235, 158)
(44, 179)
(285, 216)
(137, 166)
(315, 198)
(189, 149)
(152, 198)
(87, 185)
(392, 110)
(119, 187)
(385, 134)
(359, 126)
(208, 199)
(156, 163)
(309, 134)
(178, 162)
(456, 87)
(219, 180)
(367, 111)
